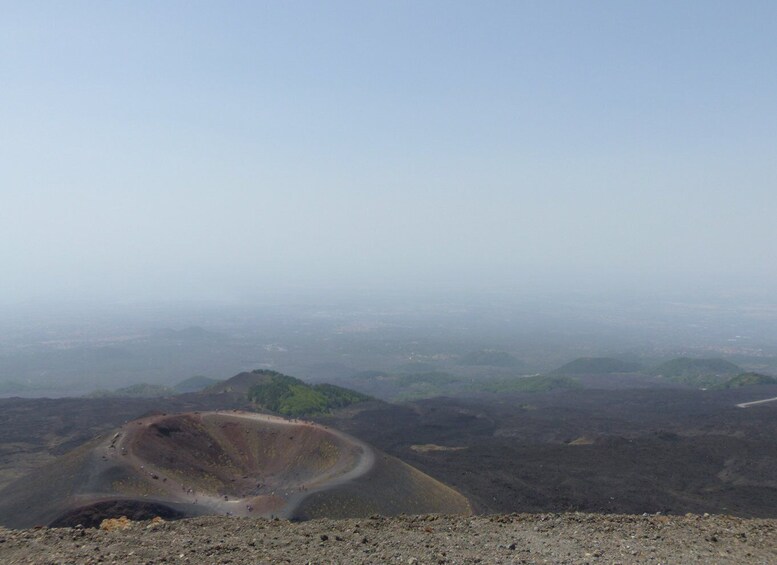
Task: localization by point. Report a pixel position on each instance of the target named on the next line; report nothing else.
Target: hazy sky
(218, 149)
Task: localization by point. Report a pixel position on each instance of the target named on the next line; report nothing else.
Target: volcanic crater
(228, 463)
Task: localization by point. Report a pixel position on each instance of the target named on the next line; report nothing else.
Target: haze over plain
(520, 253)
(220, 151)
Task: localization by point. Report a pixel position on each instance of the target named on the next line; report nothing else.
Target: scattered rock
(551, 538)
(113, 524)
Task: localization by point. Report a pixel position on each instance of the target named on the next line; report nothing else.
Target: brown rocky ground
(516, 538)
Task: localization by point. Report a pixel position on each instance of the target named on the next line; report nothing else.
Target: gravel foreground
(515, 538)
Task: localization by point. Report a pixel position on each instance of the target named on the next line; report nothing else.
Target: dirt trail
(754, 402)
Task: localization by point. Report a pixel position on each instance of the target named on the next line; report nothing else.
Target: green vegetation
(596, 366)
(425, 385)
(437, 383)
(292, 397)
(490, 358)
(748, 379)
(242, 383)
(339, 397)
(407, 386)
(697, 372)
(538, 383)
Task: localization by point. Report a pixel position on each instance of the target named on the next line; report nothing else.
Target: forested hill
(292, 397)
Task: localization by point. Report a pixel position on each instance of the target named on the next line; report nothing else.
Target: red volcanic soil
(234, 463)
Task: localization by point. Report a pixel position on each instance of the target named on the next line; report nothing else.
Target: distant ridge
(287, 395)
(243, 382)
(140, 390)
(195, 384)
(596, 366)
(697, 372)
(748, 379)
(489, 358)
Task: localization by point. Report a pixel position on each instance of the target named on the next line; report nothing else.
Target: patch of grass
(292, 397)
(697, 372)
(748, 379)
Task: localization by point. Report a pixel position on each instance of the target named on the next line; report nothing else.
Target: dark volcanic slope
(615, 451)
(235, 463)
(622, 450)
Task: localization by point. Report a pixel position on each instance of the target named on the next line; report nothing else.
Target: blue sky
(198, 150)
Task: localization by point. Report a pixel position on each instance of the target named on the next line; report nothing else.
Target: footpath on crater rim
(516, 538)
